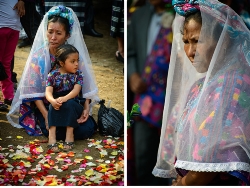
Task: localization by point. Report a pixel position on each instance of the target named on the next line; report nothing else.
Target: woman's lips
(196, 63)
(52, 43)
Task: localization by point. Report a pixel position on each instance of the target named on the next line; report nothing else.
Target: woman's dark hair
(61, 20)
(63, 51)
(194, 16)
(213, 31)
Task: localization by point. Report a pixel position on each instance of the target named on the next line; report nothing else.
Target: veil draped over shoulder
(32, 83)
(206, 118)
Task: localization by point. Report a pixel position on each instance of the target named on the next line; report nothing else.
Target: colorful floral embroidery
(155, 76)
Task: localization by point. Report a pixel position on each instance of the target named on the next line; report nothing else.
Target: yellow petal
(88, 183)
(89, 172)
(114, 153)
(19, 137)
(112, 177)
(88, 157)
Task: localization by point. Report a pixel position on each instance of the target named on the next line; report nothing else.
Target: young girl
(63, 86)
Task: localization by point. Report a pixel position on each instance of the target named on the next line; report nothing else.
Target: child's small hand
(61, 100)
(56, 105)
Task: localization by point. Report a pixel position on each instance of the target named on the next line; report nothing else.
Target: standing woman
(29, 109)
(205, 138)
(10, 25)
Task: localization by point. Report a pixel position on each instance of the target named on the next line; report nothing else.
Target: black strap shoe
(8, 102)
(3, 107)
(24, 43)
(92, 32)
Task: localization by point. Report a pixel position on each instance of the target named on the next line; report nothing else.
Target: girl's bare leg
(52, 138)
(69, 137)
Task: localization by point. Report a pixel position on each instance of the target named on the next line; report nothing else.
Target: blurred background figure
(10, 25)
(89, 27)
(117, 27)
(84, 10)
(241, 7)
(149, 43)
(30, 22)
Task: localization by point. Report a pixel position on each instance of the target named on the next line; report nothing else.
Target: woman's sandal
(69, 144)
(51, 146)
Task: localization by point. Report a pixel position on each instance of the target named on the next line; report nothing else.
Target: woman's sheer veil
(39, 54)
(230, 57)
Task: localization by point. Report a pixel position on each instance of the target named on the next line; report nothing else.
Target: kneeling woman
(29, 108)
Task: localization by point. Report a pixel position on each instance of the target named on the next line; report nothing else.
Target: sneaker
(8, 101)
(3, 107)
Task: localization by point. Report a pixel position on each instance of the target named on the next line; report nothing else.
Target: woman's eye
(185, 41)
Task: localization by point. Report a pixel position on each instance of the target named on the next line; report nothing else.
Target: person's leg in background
(146, 147)
(9, 39)
(13, 74)
(30, 22)
(77, 6)
(89, 27)
(40, 7)
(117, 27)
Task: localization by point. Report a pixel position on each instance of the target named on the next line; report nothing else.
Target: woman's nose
(53, 36)
(191, 51)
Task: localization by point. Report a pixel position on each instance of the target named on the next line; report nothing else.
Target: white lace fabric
(206, 118)
(39, 55)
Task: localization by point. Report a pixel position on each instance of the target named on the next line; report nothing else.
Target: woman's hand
(175, 181)
(136, 83)
(84, 116)
(197, 178)
(85, 113)
(20, 8)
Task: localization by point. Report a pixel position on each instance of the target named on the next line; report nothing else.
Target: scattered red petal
(71, 154)
(30, 159)
(65, 167)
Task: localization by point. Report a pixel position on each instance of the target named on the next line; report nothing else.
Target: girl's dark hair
(61, 20)
(63, 51)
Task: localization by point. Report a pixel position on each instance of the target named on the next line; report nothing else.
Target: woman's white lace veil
(40, 52)
(214, 135)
